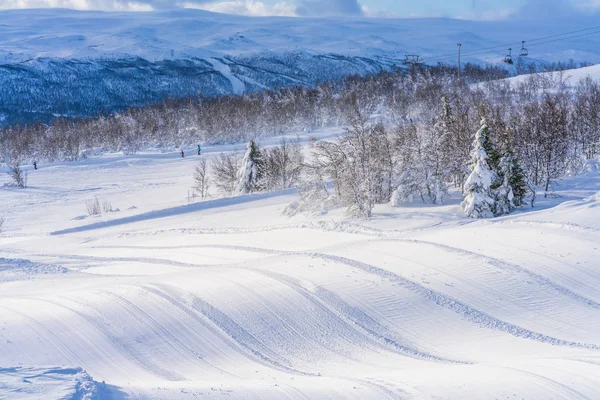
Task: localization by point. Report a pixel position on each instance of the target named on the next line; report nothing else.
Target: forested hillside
(95, 63)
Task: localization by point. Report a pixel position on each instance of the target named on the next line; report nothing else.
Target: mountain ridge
(58, 62)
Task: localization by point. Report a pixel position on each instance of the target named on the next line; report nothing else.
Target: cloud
(245, 7)
(485, 11)
(309, 8)
(378, 13)
(299, 8)
(493, 15)
(479, 10)
(105, 5)
(534, 10)
(558, 9)
(591, 5)
(315, 8)
(547, 9)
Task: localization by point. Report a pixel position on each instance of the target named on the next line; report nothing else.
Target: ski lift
(508, 59)
(412, 60)
(524, 51)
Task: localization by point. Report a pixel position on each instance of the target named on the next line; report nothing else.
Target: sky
(464, 9)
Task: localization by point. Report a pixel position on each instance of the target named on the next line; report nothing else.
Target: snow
(28, 383)
(183, 34)
(237, 85)
(569, 77)
(233, 298)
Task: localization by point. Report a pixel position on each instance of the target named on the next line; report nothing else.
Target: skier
(34, 165)
(182, 154)
(199, 149)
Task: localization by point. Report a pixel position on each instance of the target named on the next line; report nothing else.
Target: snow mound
(49, 383)
(20, 270)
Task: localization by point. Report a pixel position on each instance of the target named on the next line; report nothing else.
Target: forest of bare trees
(410, 134)
(233, 118)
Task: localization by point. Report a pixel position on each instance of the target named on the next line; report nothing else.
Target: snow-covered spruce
(479, 200)
(250, 172)
(504, 197)
(511, 191)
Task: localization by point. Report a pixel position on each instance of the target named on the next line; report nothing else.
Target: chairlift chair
(524, 51)
(508, 59)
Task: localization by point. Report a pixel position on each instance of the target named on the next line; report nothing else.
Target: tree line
(499, 144)
(227, 119)
(411, 135)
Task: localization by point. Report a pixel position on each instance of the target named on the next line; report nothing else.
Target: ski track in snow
(512, 267)
(458, 307)
(500, 264)
(202, 311)
(455, 305)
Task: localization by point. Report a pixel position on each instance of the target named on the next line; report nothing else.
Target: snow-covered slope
(65, 62)
(69, 34)
(569, 78)
(232, 298)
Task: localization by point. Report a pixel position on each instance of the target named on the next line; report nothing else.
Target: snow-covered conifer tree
(503, 194)
(250, 172)
(479, 201)
(517, 181)
(511, 192)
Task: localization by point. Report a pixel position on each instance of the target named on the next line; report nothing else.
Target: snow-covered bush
(282, 165)
(18, 175)
(225, 172)
(314, 198)
(107, 206)
(93, 206)
(201, 180)
(97, 207)
(405, 193)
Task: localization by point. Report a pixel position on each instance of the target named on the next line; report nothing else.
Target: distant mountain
(64, 62)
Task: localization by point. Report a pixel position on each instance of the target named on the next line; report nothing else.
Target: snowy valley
(395, 234)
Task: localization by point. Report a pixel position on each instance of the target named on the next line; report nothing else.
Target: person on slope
(182, 154)
(199, 149)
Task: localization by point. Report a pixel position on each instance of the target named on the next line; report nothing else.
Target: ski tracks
(506, 266)
(471, 314)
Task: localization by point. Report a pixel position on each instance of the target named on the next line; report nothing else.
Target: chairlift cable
(498, 49)
(530, 42)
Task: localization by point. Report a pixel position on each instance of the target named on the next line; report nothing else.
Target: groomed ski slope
(233, 299)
